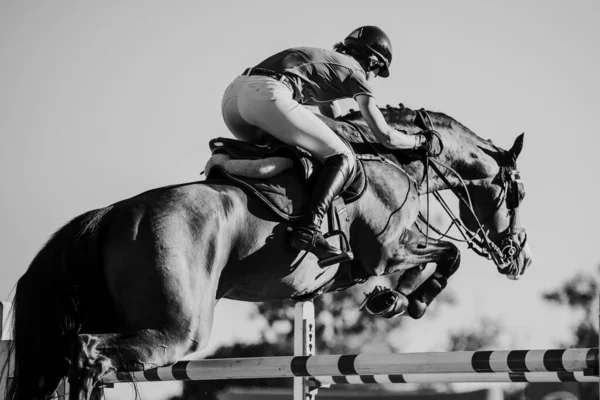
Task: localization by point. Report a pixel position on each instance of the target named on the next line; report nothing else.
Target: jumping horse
(133, 286)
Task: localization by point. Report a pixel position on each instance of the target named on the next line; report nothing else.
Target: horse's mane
(406, 117)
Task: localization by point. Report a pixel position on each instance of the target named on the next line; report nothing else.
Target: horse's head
(489, 207)
(494, 215)
(483, 176)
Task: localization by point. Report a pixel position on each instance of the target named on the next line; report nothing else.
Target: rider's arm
(331, 110)
(388, 136)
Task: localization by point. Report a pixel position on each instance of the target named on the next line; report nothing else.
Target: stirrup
(324, 262)
(340, 258)
(345, 255)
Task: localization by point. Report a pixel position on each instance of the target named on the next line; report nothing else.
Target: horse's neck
(463, 153)
(463, 161)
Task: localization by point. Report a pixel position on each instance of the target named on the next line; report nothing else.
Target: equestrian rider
(268, 100)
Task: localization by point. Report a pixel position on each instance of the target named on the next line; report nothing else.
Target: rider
(269, 99)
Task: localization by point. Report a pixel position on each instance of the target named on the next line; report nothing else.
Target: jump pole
(311, 372)
(484, 362)
(460, 377)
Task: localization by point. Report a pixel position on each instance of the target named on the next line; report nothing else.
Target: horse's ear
(516, 148)
(499, 157)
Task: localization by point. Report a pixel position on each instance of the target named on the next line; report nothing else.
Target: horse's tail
(47, 307)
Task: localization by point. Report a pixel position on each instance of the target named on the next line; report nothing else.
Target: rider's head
(370, 46)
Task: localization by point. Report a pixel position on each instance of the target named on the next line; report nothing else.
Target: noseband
(507, 246)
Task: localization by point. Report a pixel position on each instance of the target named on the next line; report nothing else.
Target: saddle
(281, 177)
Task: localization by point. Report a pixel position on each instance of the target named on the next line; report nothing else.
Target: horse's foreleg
(422, 284)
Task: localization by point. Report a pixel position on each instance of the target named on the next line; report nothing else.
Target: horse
(133, 286)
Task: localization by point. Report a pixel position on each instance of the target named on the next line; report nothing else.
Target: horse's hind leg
(164, 306)
(96, 355)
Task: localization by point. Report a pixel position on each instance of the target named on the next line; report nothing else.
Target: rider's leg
(330, 183)
(268, 104)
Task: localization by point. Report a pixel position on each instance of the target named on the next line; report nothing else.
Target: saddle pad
(277, 174)
(286, 194)
(256, 169)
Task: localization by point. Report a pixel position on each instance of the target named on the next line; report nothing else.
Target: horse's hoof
(385, 302)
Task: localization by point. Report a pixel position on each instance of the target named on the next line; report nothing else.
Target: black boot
(330, 182)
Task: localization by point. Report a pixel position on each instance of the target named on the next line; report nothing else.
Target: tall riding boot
(330, 183)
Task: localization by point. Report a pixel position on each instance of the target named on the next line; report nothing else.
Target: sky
(100, 101)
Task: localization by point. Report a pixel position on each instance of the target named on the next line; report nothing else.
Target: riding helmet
(375, 41)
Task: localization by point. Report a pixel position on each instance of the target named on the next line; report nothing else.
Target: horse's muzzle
(515, 256)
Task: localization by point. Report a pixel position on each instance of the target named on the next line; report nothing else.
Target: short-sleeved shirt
(319, 75)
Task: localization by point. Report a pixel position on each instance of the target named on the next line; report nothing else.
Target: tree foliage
(580, 293)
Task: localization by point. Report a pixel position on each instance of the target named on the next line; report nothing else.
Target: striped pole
(563, 360)
(456, 377)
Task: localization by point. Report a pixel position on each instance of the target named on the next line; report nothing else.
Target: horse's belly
(275, 277)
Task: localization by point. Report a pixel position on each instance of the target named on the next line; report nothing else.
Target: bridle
(504, 249)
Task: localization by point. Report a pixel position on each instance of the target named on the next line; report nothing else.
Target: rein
(504, 253)
(479, 241)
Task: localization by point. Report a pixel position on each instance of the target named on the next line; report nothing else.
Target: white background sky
(101, 101)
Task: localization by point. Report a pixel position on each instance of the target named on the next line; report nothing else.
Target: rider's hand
(429, 142)
(420, 142)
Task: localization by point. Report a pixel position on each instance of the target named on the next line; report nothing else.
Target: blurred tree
(580, 293)
(482, 338)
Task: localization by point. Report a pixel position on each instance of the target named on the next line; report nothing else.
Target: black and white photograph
(227, 200)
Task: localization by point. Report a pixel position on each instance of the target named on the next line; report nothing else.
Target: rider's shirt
(319, 75)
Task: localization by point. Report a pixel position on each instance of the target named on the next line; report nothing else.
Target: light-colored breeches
(252, 102)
